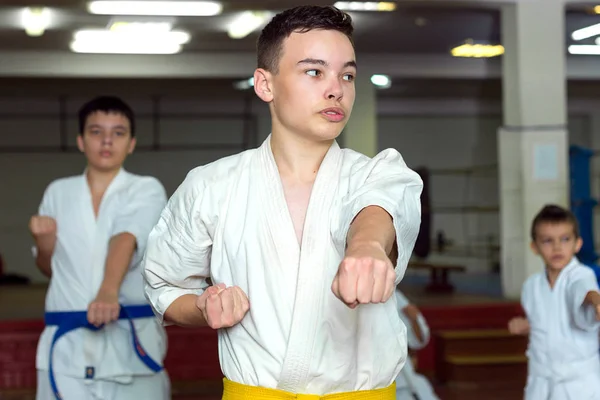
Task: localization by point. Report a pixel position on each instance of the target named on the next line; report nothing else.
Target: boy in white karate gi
(90, 233)
(410, 385)
(562, 307)
(296, 235)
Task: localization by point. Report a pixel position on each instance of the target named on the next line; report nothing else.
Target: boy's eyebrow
(313, 61)
(325, 63)
(113, 127)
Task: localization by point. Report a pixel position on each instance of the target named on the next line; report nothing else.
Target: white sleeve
(584, 315)
(141, 212)
(387, 182)
(46, 208)
(177, 258)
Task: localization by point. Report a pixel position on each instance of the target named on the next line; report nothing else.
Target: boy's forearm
(43, 261)
(417, 329)
(45, 250)
(413, 313)
(120, 252)
(184, 312)
(373, 225)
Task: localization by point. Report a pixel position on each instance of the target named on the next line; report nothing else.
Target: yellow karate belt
(237, 391)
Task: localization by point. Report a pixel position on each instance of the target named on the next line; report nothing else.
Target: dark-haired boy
(90, 233)
(562, 307)
(296, 235)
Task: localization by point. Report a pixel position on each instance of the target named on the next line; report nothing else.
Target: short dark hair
(107, 104)
(298, 19)
(554, 214)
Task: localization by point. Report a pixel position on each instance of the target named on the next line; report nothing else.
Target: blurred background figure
(410, 385)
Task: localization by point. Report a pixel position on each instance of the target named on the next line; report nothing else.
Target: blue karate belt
(68, 321)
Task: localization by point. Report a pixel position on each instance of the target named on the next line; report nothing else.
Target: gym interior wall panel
(25, 131)
(9, 106)
(139, 105)
(198, 131)
(461, 153)
(201, 107)
(441, 141)
(579, 130)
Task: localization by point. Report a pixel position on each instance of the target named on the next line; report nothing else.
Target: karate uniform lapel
(279, 220)
(95, 227)
(310, 286)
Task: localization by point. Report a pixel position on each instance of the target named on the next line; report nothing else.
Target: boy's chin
(557, 265)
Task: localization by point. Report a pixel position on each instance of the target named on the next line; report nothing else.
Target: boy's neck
(298, 158)
(552, 275)
(99, 180)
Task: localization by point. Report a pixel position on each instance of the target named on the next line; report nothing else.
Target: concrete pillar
(533, 143)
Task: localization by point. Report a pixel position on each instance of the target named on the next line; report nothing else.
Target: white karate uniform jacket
(131, 204)
(409, 382)
(229, 221)
(563, 351)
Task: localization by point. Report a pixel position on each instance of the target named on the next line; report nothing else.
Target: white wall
(460, 149)
(463, 132)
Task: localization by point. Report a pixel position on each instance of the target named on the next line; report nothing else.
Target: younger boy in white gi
(295, 235)
(90, 233)
(410, 385)
(562, 306)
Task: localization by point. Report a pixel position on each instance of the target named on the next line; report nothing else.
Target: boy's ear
(578, 244)
(263, 85)
(80, 144)
(132, 145)
(534, 247)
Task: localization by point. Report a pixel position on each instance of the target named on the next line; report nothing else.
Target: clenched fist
(519, 326)
(42, 226)
(104, 309)
(365, 275)
(222, 306)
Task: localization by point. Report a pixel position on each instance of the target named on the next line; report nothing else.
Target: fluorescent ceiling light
(244, 84)
(131, 26)
(246, 23)
(35, 20)
(176, 8)
(477, 50)
(365, 5)
(587, 32)
(584, 49)
(125, 48)
(177, 37)
(381, 81)
(129, 42)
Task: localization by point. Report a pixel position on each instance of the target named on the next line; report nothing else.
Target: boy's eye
(313, 72)
(349, 77)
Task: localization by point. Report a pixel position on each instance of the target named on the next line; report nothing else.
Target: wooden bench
(438, 282)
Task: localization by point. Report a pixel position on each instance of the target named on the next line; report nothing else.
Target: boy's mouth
(333, 114)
